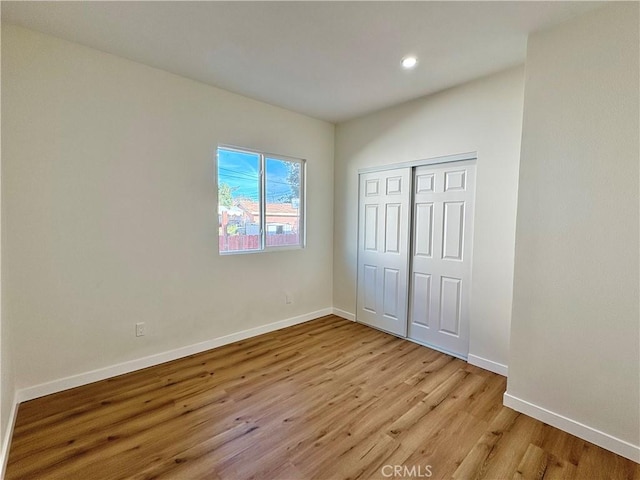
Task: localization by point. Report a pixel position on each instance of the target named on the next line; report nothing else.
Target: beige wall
(483, 116)
(7, 389)
(575, 330)
(109, 210)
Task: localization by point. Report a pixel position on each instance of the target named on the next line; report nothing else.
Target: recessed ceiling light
(409, 62)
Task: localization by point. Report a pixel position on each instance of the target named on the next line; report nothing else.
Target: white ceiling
(330, 60)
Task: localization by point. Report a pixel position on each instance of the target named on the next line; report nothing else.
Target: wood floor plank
(445, 446)
(327, 399)
(559, 469)
(475, 464)
(448, 366)
(512, 447)
(533, 465)
(598, 464)
(431, 363)
(405, 424)
(358, 461)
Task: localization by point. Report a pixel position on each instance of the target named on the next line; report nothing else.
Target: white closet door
(441, 256)
(383, 250)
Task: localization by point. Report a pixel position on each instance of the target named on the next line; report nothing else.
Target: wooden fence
(233, 243)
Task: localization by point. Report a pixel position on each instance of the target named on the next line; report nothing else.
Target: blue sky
(241, 171)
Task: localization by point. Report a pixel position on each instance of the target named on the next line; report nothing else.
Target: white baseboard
(490, 365)
(604, 440)
(344, 314)
(8, 435)
(126, 367)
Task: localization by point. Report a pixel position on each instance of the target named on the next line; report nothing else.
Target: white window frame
(262, 203)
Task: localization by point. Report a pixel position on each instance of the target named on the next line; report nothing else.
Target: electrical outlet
(288, 298)
(140, 329)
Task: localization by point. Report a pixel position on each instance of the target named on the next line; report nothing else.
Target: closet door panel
(442, 246)
(383, 250)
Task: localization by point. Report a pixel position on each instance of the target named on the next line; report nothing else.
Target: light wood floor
(329, 399)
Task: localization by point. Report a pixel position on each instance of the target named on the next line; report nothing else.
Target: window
(260, 201)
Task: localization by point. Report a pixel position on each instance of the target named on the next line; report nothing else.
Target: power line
(243, 174)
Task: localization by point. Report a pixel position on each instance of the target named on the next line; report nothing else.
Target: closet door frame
(461, 157)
